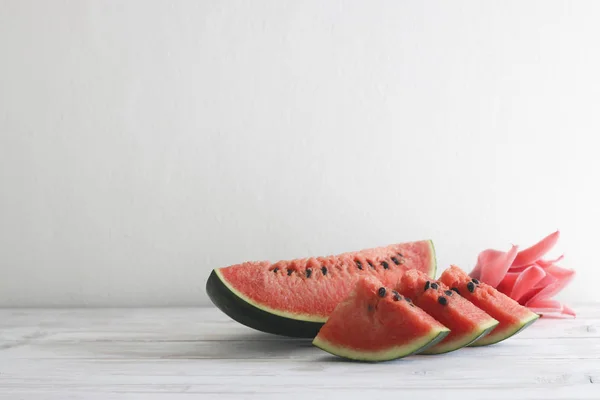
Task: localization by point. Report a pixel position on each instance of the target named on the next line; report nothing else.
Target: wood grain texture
(201, 353)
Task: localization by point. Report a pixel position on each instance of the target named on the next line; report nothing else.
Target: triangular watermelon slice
(375, 323)
(466, 322)
(512, 316)
(295, 298)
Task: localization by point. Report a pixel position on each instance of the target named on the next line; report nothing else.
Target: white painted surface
(143, 143)
(201, 353)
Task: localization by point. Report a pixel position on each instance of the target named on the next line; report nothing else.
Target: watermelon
(375, 323)
(295, 298)
(512, 316)
(467, 323)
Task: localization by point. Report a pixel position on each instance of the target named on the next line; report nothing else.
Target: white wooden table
(201, 353)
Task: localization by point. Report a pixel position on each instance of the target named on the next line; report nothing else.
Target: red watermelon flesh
(512, 316)
(375, 323)
(309, 289)
(466, 322)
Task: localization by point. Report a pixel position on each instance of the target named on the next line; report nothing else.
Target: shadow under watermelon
(246, 345)
(258, 345)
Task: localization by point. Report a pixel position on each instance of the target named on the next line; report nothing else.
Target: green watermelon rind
(296, 316)
(512, 330)
(494, 304)
(392, 353)
(261, 317)
(246, 312)
(483, 329)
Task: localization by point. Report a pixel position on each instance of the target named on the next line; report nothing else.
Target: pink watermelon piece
(296, 297)
(466, 322)
(375, 323)
(512, 316)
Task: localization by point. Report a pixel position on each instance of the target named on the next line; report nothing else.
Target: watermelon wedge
(374, 323)
(295, 298)
(466, 322)
(512, 316)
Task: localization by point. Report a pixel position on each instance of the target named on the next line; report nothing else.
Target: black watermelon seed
(456, 290)
(385, 265)
(289, 271)
(396, 292)
(308, 272)
(358, 264)
(400, 254)
(324, 270)
(396, 297)
(395, 260)
(381, 292)
(448, 292)
(411, 304)
(475, 281)
(434, 285)
(471, 287)
(371, 264)
(427, 284)
(442, 300)
(275, 269)
(407, 299)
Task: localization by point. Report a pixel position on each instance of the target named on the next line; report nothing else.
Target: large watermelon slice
(375, 323)
(295, 298)
(467, 323)
(512, 316)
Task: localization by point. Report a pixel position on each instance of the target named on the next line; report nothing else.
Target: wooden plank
(553, 348)
(200, 353)
(275, 378)
(202, 323)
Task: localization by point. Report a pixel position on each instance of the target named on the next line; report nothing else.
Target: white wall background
(143, 143)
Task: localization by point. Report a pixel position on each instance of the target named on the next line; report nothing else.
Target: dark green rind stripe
(254, 317)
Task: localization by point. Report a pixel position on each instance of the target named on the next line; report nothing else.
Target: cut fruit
(512, 316)
(374, 323)
(466, 322)
(295, 298)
